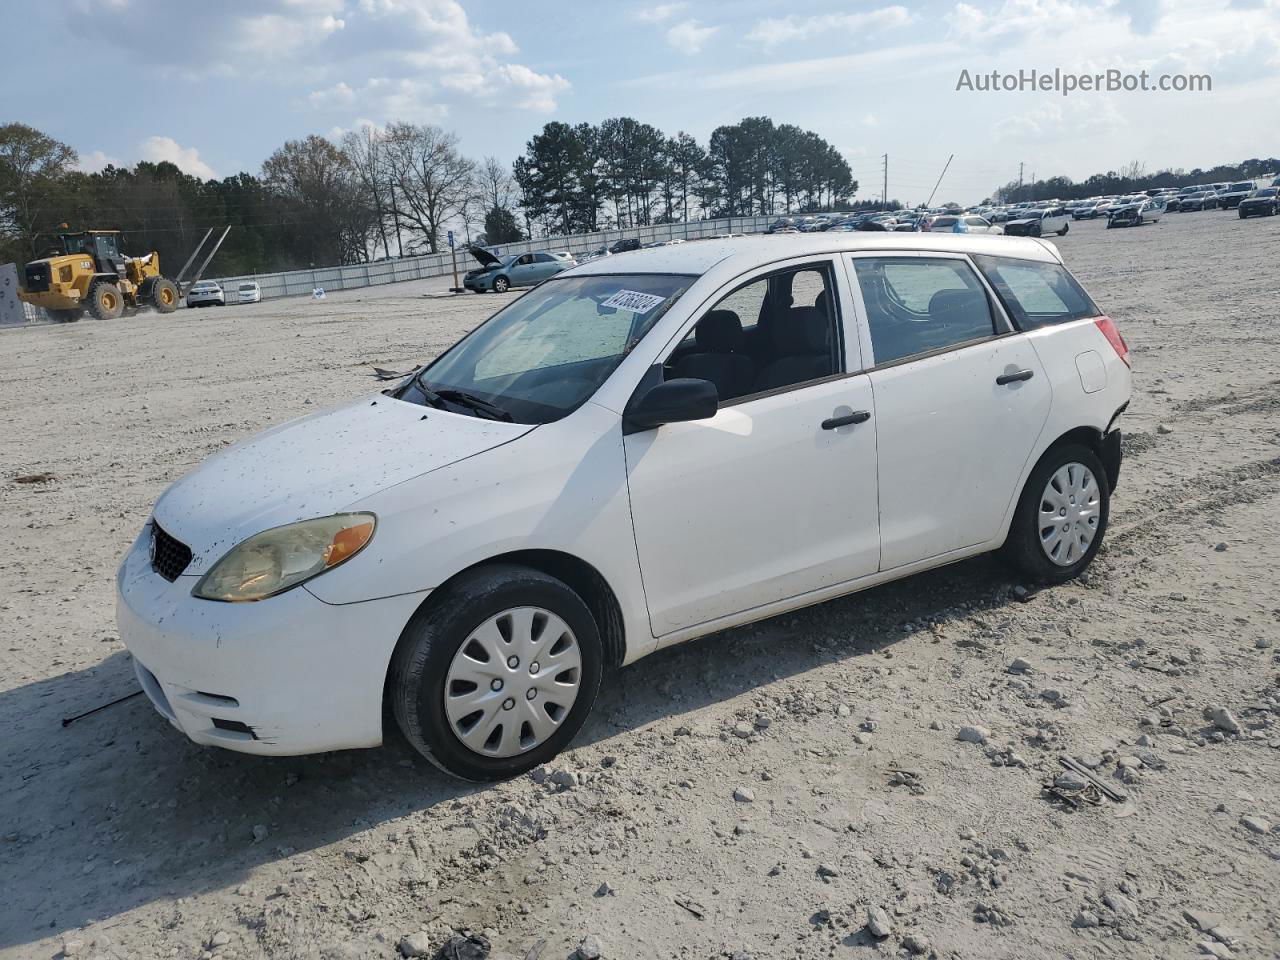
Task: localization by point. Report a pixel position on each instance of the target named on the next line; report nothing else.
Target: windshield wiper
(478, 404)
(428, 394)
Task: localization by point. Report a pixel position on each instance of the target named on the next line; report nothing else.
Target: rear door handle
(1005, 378)
(858, 416)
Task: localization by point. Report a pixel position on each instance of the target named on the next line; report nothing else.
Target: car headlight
(278, 559)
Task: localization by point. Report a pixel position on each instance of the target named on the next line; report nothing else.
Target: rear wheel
(497, 674)
(105, 300)
(1061, 516)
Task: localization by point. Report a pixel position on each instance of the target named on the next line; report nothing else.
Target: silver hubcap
(513, 682)
(1069, 510)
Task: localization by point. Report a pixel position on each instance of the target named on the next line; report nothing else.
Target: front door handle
(1005, 378)
(858, 416)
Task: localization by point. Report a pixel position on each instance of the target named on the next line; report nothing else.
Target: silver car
(499, 274)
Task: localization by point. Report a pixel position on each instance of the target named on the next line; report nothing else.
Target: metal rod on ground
(191, 259)
(929, 203)
(67, 721)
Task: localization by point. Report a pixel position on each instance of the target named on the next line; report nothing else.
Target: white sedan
(629, 456)
(206, 293)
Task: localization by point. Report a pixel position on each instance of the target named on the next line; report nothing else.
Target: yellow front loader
(88, 272)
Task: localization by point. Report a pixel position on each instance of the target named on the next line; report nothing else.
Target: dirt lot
(120, 839)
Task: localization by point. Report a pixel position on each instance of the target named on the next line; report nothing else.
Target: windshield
(1264, 192)
(1247, 185)
(546, 353)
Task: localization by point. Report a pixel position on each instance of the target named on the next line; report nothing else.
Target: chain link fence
(355, 276)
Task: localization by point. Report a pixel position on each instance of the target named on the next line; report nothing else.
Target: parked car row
(1038, 218)
(209, 293)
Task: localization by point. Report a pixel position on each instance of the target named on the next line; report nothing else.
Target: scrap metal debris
(697, 909)
(1079, 785)
(35, 478)
(382, 374)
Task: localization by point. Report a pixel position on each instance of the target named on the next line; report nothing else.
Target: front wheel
(1061, 516)
(501, 285)
(1035, 230)
(497, 674)
(162, 295)
(1065, 228)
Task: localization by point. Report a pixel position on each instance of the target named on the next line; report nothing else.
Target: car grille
(169, 556)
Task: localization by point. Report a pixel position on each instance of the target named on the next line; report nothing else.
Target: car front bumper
(283, 676)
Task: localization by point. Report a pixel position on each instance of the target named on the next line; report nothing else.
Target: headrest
(802, 330)
(720, 331)
(949, 304)
(823, 303)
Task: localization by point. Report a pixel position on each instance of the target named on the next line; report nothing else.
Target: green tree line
(624, 173)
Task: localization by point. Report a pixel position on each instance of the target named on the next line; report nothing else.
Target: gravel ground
(865, 776)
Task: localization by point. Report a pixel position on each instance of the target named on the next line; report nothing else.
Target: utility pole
(1019, 179)
(884, 195)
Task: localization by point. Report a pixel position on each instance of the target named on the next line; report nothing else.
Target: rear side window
(917, 305)
(1036, 294)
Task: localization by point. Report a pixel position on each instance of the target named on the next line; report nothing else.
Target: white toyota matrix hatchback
(644, 449)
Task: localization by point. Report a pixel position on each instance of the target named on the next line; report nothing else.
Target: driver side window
(777, 331)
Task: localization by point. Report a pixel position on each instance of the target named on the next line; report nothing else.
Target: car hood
(485, 257)
(316, 466)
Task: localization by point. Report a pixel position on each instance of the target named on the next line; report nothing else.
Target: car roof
(741, 254)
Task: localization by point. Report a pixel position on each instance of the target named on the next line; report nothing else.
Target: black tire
(1022, 549)
(105, 301)
(1065, 228)
(501, 285)
(1035, 230)
(161, 294)
(416, 684)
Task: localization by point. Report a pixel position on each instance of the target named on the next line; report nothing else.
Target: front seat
(719, 357)
(802, 341)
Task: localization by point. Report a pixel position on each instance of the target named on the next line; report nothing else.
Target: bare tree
(497, 186)
(365, 149)
(433, 181)
(317, 180)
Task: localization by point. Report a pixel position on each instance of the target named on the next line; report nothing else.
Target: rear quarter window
(1036, 294)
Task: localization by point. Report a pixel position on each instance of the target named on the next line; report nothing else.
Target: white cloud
(1061, 119)
(658, 13)
(186, 159)
(1014, 19)
(95, 160)
(689, 36)
(340, 94)
(773, 31)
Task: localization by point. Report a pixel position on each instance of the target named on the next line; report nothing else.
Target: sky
(216, 86)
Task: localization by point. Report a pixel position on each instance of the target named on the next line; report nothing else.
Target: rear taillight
(1108, 328)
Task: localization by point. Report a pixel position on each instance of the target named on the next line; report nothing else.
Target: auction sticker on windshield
(633, 301)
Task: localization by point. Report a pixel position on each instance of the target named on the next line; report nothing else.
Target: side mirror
(673, 401)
